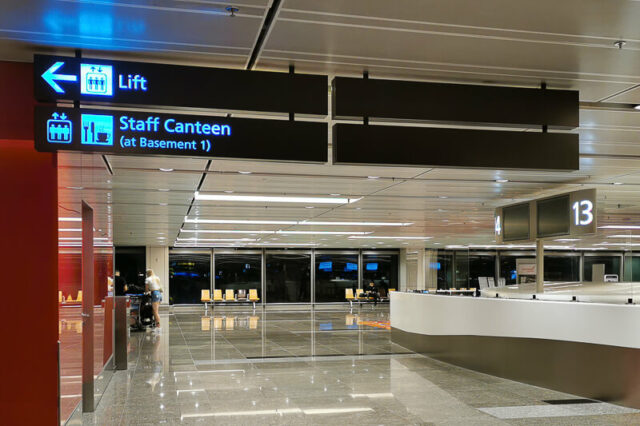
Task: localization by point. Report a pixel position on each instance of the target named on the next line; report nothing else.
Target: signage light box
(128, 132)
(143, 83)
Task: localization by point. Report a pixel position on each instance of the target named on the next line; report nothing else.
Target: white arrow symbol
(50, 77)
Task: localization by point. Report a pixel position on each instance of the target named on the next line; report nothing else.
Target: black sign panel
(422, 146)
(127, 132)
(135, 83)
(439, 102)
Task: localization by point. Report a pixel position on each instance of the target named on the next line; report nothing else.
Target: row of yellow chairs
(361, 297)
(229, 296)
(69, 299)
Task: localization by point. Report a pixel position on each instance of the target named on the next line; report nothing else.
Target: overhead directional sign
(569, 214)
(136, 83)
(140, 133)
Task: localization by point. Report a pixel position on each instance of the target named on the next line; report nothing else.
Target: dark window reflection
(462, 269)
(508, 269)
(382, 270)
(238, 272)
(611, 265)
(288, 278)
(443, 265)
(561, 268)
(188, 275)
(481, 266)
(334, 274)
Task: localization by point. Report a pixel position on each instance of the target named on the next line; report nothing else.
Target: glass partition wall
(288, 277)
(334, 273)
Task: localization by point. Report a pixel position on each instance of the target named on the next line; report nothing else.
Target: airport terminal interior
(320, 212)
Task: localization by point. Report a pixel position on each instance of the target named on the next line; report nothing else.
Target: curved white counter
(598, 323)
(587, 349)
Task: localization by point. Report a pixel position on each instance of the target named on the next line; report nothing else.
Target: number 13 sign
(583, 212)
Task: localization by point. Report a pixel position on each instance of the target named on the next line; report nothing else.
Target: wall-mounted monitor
(372, 266)
(515, 222)
(351, 267)
(325, 266)
(553, 216)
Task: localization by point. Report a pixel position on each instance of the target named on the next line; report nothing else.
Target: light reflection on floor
(309, 368)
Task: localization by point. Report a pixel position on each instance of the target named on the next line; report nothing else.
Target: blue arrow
(50, 77)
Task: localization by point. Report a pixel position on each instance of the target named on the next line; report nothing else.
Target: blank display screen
(553, 216)
(516, 222)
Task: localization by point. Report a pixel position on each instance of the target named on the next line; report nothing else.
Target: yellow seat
(79, 299)
(217, 296)
(348, 294)
(253, 295)
(60, 297)
(392, 289)
(69, 299)
(205, 297)
(229, 296)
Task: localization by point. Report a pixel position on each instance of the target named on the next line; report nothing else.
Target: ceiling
(568, 44)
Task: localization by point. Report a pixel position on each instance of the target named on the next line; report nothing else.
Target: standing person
(152, 284)
(120, 286)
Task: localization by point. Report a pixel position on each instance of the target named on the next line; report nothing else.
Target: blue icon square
(97, 129)
(96, 79)
(59, 129)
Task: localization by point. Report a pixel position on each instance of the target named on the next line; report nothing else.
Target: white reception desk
(587, 349)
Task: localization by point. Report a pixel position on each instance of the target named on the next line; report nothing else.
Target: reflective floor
(315, 368)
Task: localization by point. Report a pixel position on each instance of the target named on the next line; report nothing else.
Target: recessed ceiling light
(70, 219)
(75, 187)
(164, 189)
(273, 199)
(226, 231)
(70, 230)
(163, 204)
(502, 180)
(166, 170)
(637, 107)
(216, 239)
(292, 222)
(309, 207)
(373, 177)
(242, 172)
(228, 192)
(378, 237)
(335, 195)
(617, 183)
(442, 196)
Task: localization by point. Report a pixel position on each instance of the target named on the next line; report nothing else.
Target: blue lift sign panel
(135, 132)
(140, 83)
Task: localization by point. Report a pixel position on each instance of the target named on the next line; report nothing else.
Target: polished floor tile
(320, 367)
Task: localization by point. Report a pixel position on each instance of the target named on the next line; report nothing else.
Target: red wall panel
(29, 260)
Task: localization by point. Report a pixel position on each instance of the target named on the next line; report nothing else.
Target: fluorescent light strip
(215, 239)
(279, 411)
(225, 231)
(242, 222)
(69, 230)
(270, 199)
(623, 236)
(618, 244)
(620, 227)
(371, 395)
(292, 222)
(310, 222)
(325, 233)
(70, 219)
(373, 237)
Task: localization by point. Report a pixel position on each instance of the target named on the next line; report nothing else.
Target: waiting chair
(253, 297)
(217, 297)
(229, 296)
(79, 299)
(348, 294)
(205, 296)
(60, 297)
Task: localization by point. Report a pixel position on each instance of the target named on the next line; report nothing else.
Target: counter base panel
(605, 373)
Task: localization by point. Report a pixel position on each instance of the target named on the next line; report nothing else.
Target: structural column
(539, 266)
